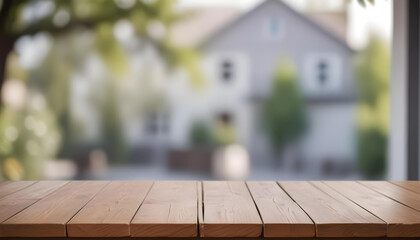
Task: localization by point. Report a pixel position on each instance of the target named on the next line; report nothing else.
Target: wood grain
(9, 187)
(110, 212)
(169, 210)
(229, 211)
(281, 216)
(332, 217)
(410, 185)
(48, 216)
(402, 221)
(399, 194)
(18, 201)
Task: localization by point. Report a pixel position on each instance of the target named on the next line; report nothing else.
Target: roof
(315, 25)
(201, 24)
(335, 22)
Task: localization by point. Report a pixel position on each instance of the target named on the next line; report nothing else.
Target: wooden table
(228, 210)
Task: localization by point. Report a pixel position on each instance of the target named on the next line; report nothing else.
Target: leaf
(371, 2)
(362, 3)
(13, 169)
(110, 50)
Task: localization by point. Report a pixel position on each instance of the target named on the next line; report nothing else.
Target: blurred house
(239, 57)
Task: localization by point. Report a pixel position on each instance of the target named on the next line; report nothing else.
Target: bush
(372, 152)
(284, 111)
(200, 135)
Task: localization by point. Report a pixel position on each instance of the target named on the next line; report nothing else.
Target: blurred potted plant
(198, 156)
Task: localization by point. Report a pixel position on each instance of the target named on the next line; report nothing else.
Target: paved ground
(161, 173)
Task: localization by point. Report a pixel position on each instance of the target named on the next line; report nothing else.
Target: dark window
(152, 124)
(227, 71)
(322, 72)
(157, 123)
(225, 118)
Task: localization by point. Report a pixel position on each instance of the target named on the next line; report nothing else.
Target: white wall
(191, 103)
(331, 133)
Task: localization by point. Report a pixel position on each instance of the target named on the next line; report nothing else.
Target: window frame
(334, 73)
(413, 96)
(230, 69)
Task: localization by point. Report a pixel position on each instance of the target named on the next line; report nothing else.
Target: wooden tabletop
(209, 209)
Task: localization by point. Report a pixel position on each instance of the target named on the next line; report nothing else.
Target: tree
(283, 111)
(372, 73)
(113, 140)
(64, 22)
(62, 17)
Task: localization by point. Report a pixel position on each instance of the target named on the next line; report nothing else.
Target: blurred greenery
(220, 134)
(113, 140)
(363, 3)
(224, 133)
(372, 152)
(372, 72)
(284, 111)
(201, 135)
(31, 136)
(76, 29)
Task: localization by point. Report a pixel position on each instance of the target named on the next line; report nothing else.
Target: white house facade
(238, 63)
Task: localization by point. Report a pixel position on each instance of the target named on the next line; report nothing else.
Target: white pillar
(397, 150)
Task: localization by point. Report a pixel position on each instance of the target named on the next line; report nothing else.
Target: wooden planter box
(195, 160)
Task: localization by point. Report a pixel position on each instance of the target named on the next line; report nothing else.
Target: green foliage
(224, 133)
(373, 78)
(69, 51)
(187, 58)
(363, 3)
(283, 111)
(373, 71)
(110, 50)
(113, 139)
(52, 80)
(200, 135)
(372, 151)
(30, 135)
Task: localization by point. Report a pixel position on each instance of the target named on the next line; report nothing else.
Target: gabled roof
(316, 26)
(201, 23)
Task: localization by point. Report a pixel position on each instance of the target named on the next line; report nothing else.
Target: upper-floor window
(322, 72)
(274, 27)
(227, 70)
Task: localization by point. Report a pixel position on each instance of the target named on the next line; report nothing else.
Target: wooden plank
(410, 185)
(9, 187)
(18, 201)
(402, 221)
(229, 211)
(48, 216)
(399, 194)
(109, 213)
(200, 238)
(169, 210)
(334, 218)
(281, 216)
